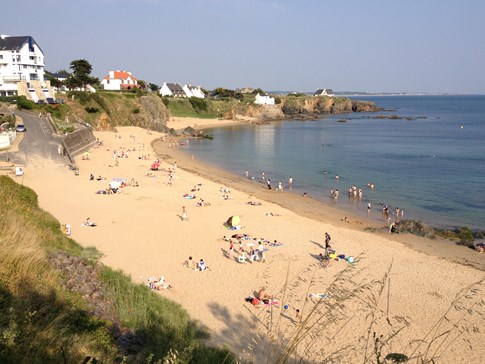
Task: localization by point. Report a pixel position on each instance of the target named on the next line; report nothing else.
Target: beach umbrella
(233, 221)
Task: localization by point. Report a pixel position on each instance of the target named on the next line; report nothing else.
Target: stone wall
(78, 142)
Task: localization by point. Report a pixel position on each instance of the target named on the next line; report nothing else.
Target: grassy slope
(42, 323)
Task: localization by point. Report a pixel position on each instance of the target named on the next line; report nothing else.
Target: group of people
(280, 186)
(199, 266)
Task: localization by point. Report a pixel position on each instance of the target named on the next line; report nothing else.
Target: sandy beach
(140, 231)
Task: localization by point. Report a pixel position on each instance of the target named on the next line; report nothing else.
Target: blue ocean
(429, 163)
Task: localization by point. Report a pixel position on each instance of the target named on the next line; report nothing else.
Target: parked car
(20, 128)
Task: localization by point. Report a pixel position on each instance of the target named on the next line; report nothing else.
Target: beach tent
(233, 221)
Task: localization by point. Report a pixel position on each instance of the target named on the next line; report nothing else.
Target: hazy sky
(373, 45)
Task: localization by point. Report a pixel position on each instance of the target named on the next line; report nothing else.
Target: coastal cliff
(313, 107)
(105, 110)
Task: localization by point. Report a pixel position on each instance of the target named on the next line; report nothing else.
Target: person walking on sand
(247, 173)
(184, 214)
(290, 183)
(368, 208)
(268, 182)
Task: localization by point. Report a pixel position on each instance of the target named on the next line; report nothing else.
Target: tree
(81, 74)
(153, 87)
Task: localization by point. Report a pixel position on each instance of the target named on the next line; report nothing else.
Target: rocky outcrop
(364, 106)
(314, 107)
(155, 113)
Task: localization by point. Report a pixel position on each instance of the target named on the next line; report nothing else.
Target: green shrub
(91, 110)
(136, 110)
(24, 104)
(198, 104)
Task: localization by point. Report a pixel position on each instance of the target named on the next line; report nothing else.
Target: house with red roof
(119, 80)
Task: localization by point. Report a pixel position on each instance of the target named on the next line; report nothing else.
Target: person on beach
(290, 183)
(268, 183)
(368, 208)
(260, 251)
(327, 240)
(189, 263)
(202, 266)
(280, 186)
(262, 175)
(88, 222)
(184, 214)
(247, 173)
(264, 296)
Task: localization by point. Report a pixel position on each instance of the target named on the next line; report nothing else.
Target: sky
(297, 45)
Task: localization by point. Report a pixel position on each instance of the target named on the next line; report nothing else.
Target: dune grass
(40, 322)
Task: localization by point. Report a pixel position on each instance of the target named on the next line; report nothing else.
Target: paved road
(38, 141)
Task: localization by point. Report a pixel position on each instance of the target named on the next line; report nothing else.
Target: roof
(120, 75)
(175, 88)
(327, 91)
(15, 43)
(59, 75)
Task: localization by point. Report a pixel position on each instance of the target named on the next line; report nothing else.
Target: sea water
(429, 163)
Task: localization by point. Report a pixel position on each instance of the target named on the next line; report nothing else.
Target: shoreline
(316, 209)
(358, 214)
(140, 231)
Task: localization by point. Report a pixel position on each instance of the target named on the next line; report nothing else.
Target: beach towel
(318, 295)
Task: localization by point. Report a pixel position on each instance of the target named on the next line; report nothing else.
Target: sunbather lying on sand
(272, 214)
(88, 222)
(158, 284)
(254, 203)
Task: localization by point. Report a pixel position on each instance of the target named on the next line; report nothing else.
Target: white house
(22, 68)
(263, 100)
(119, 80)
(193, 91)
(324, 92)
(172, 89)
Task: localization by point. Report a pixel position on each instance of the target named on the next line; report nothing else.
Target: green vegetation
(81, 75)
(42, 323)
(462, 235)
(7, 118)
(192, 107)
(24, 104)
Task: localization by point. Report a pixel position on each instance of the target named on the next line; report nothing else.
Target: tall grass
(328, 331)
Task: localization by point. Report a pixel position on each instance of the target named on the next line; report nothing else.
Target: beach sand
(140, 231)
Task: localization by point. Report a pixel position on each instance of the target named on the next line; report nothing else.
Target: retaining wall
(77, 142)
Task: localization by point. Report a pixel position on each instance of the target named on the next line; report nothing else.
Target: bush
(198, 104)
(165, 101)
(24, 104)
(91, 110)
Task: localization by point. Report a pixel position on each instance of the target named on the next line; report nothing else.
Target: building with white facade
(193, 91)
(263, 100)
(119, 80)
(22, 68)
(172, 89)
(324, 92)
